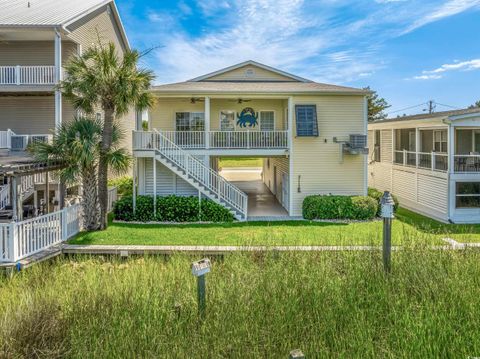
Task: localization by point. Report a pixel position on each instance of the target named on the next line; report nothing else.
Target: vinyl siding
(386, 146)
(260, 75)
(316, 160)
(168, 183)
(162, 115)
(31, 53)
(282, 165)
(31, 114)
(99, 23)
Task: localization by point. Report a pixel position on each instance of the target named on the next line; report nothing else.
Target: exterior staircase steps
(201, 177)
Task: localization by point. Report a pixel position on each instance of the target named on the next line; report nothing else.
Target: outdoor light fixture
(199, 269)
(387, 205)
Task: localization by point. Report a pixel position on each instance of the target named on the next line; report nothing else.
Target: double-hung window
(267, 120)
(440, 140)
(306, 120)
(189, 121)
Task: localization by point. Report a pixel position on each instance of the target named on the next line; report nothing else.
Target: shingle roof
(190, 87)
(44, 12)
(424, 116)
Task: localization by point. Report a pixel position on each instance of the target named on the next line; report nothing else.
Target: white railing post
(433, 161)
(12, 242)
(404, 157)
(64, 224)
(17, 75)
(248, 138)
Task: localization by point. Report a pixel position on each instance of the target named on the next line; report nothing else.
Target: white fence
(112, 198)
(27, 75)
(22, 239)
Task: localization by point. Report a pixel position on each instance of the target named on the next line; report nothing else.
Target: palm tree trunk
(89, 199)
(103, 164)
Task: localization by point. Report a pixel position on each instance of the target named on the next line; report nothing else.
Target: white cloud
(455, 66)
(307, 38)
(449, 8)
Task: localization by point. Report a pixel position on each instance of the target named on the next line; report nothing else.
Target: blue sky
(410, 51)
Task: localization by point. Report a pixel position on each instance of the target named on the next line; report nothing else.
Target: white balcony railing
(433, 161)
(27, 75)
(10, 140)
(467, 163)
(216, 139)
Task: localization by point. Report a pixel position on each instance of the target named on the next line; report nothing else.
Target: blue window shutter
(306, 117)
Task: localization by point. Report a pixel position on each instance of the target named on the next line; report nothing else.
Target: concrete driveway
(261, 202)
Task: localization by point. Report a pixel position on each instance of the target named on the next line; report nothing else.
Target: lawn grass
(327, 304)
(408, 227)
(240, 162)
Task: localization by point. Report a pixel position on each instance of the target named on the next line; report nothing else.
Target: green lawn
(240, 162)
(408, 228)
(330, 305)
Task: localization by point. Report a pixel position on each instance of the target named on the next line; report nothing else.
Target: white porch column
(58, 77)
(290, 155)
(417, 146)
(365, 157)
(451, 148)
(207, 122)
(154, 186)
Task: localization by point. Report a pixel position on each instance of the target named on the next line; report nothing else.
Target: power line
(408, 108)
(454, 107)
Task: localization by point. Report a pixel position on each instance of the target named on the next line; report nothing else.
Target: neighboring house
(36, 39)
(431, 162)
(300, 128)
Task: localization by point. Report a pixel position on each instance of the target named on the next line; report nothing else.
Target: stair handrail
(209, 178)
(4, 196)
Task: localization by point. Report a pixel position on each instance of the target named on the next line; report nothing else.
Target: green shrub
(124, 185)
(339, 207)
(377, 195)
(170, 209)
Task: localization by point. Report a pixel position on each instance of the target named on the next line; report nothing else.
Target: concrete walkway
(261, 202)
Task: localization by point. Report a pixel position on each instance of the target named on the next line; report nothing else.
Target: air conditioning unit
(357, 145)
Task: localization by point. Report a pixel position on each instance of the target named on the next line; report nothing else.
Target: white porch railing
(27, 75)
(217, 139)
(248, 139)
(434, 161)
(4, 196)
(6, 139)
(467, 163)
(112, 198)
(225, 192)
(22, 239)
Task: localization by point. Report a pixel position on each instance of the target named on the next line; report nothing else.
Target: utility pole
(431, 106)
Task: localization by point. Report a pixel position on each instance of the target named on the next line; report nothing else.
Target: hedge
(170, 209)
(377, 195)
(339, 207)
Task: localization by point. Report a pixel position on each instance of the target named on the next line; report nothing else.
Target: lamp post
(199, 269)
(387, 205)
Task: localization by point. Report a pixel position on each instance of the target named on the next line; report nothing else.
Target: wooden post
(47, 194)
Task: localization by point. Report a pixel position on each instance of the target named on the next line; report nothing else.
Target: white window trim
(220, 120)
(189, 111)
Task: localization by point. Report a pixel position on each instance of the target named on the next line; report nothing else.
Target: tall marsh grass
(330, 304)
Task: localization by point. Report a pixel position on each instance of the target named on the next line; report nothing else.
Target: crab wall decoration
(247, 117)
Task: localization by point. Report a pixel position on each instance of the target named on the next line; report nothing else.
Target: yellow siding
(316, 160)
(97, 24)
(282, 166)
(162, 115)
(259, 75)
(31, 53)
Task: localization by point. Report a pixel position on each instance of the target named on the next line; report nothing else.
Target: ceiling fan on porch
(194, 100)
(240, 100)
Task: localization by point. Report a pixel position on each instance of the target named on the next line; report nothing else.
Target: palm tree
(100, 78)
(78, 145)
